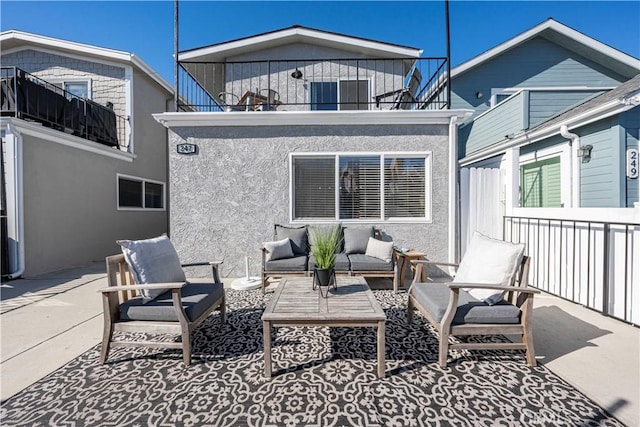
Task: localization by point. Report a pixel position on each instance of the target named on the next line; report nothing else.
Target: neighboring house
(301, 126)
(84, 161)
(552, 139)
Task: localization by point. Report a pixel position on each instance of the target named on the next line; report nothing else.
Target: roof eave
(292, 35)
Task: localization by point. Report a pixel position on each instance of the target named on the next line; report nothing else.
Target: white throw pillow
(152, 261)
(379, 249)
(279, 249)
(489, 261)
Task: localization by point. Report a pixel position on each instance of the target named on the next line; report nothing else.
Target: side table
(403, 259)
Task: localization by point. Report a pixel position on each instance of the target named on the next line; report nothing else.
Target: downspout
(574, 166)
(14, 155)
(453, 189)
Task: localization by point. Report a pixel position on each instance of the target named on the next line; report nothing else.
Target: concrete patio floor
(48, 320)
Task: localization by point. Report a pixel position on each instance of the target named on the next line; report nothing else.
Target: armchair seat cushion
(361, 262)
(296, 263)
(434, 298)
(342, 262)
(196, 299)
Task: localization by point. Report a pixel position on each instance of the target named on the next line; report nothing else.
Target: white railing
(595, 263)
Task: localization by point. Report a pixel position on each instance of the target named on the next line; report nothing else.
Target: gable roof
(297, 34)
(13, 39)
(567, 37)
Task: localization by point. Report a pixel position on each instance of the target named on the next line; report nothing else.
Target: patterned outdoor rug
(322, 377)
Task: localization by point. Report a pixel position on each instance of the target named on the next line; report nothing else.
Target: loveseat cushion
(196, 299)
(434, 298)
(361, 262)
(356, 239)
(296, 263)
(342, 262)
(298, 236)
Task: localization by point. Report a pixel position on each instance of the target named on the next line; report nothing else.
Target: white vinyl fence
(593, 263)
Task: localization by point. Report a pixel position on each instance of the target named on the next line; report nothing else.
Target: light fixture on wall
(479, 94)
(584, 152)
(297, 74)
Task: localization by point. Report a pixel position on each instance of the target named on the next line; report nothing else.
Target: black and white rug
(322, 377)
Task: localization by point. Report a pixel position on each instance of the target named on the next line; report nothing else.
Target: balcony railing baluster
(392, 84)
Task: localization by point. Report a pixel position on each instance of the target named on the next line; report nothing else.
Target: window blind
(314, 188)
(359, 187)
(405, 186)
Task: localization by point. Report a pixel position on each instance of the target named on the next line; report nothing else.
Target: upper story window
(360, 187)
(137, 193)
(341, 94)
(79, 88)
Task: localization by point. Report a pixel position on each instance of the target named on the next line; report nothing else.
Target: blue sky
(146, 27)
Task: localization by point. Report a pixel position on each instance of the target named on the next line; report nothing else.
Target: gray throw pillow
(152, 261)
(278, 250)
(356, 239)
(298, 236)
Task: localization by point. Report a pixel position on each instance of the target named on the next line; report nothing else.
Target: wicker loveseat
(355, 257)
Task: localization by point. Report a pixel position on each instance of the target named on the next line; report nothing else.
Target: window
(540, 184)
(137, 193)
(360, 187)
(78, 88)
(340, 95)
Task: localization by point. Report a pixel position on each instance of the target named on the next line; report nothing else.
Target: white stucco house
(303, 126)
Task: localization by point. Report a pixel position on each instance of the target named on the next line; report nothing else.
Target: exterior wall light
(479, 94)
(297, 74)
(584, 153)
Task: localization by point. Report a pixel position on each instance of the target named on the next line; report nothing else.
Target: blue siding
(536, 63)
(630, 124)
(505, 119)
(600, 177)
(546, 104)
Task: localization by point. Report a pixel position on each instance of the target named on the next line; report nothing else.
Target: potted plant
(325, 244)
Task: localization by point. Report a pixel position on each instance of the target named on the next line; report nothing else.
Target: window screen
(129, 193)
(540, 184)
(354, 95)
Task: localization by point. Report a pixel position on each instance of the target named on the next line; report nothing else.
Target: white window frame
(563, 151)
(64, 82)
(428, 172)
(143, 181)
(337, 81)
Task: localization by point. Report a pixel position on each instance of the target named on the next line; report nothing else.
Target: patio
(57, 318)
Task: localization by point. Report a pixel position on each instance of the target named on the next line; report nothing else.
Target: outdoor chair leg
(409, 310)
(223, 310)
(186, 346)
(106, 342)
(444, 348)
(530, 352)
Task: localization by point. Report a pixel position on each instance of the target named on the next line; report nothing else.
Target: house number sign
(187, 148)
(632, 163)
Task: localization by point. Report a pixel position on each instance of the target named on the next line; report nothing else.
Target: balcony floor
(51, 319)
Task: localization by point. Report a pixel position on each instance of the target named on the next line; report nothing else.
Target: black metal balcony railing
(25, 96)
(320, 84)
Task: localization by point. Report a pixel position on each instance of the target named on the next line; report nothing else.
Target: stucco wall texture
(226, 198)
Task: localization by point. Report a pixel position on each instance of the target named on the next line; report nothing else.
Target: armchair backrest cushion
(152, 261)
(297, 235)
(489, 261)
(356, 239)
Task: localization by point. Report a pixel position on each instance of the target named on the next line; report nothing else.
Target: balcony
(25, 96)
(318, 84)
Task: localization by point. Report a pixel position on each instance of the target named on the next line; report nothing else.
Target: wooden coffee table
(352, 305)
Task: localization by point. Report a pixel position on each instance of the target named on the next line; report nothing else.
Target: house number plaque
(632, 163)
(187, 148)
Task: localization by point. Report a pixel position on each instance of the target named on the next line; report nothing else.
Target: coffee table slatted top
(352, 301)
